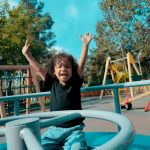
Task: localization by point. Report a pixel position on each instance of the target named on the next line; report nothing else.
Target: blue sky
(72, 18)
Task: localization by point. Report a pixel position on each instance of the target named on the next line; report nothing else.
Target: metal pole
(13, 128)
(116, 100)
(121, 141)
(16, 107)
(30, 139)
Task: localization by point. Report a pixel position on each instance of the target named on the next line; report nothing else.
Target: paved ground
(139, 118)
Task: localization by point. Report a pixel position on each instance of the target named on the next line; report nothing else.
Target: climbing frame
(32, 79)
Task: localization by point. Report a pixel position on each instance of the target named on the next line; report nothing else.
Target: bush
(93, 84)
(136, 77)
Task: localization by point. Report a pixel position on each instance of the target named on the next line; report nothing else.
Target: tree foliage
(26, 21)
(125, 28)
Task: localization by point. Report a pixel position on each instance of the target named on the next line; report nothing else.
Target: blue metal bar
(117, 104)
(119, 85)
(48, 120)
(116, 100)
(59, 120)
(32, 143)
(13, 133)
(10, 98)
(121, 141)
(2, 131)
(85, 89)
(16, 107)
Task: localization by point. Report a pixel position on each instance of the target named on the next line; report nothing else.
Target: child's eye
(58, 66)
(67, 66)
(63, 65)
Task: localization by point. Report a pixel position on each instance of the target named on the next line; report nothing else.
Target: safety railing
(23, 125)
(114, 87)
(23, 132)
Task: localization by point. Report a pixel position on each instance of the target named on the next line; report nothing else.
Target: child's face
(63, 71)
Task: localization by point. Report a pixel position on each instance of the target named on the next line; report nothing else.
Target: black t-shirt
(65, 97)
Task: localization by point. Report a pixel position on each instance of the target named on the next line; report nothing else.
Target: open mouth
(64, 75)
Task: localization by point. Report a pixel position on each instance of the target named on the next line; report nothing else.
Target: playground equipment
(115, 88)
(26, 128)
(26, 125)
(125, 75)
(147, 107)
(8, 81)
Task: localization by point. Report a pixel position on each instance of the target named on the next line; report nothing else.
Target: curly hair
(61, 56)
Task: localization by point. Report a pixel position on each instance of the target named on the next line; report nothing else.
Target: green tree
(21, 23)
(125, 28)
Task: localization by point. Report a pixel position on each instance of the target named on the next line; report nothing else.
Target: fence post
(16, 107)
(2, 105)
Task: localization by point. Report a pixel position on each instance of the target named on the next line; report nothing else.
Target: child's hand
(25, 49)
(87, 38)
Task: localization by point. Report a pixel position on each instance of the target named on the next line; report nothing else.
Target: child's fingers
(88, 34)
(28, 45)
(81, 36)
(92, 36)
(27, 42)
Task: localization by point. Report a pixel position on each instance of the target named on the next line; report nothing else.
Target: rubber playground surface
(100, 131)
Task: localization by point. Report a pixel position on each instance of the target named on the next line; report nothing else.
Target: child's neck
(63, 83)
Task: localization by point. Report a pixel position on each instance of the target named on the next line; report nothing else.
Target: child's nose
(63, 67)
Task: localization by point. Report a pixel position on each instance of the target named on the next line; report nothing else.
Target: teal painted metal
(117, 103)
(120, 141)
(119, 85)
(16, 107)
(116, 100)
(59, 119)
(85, 89)
(11, 98)
(30, 139)
(2, 131)
(141, 142)
(16, 138)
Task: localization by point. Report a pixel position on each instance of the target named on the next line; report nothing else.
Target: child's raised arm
(86, 41)
(25, 51)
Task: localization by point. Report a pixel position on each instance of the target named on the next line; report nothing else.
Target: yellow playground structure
(128, 66)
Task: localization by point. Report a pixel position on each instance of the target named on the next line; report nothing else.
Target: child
(63, 78)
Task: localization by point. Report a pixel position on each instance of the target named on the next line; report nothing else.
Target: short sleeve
(46, 85)
(81, 80)
(77, 79)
